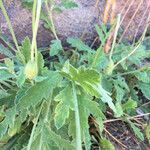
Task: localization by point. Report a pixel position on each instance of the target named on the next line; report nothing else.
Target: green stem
(134, 50)
(77, 119)
(33, 129)
(50, 10)
(115, 36)
(48, 108)
(35, 26)
(34, 14)
(9, 24)
(134, 71)
(99, 50)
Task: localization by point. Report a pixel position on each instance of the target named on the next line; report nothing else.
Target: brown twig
(145, 104)
(115, 138)
(127, 10)
(130, 118)
(96, 3)
(139, 5)
(142, 18)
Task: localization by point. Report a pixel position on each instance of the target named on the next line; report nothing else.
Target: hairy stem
(33, 129)
(115, 36)
(50, 14)
(9, 24)
(77, 119)
(35, 28)
(98, 52)
(134, 50)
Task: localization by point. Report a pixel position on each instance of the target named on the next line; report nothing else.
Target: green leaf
(120, 92)
(91, 106)
(85, 127)
(89, 80)
(137, 131)
(8, 121)
(72, 126)
(9, 64)
(106, 144)
(65, 99)
(26, 49)
(130, 104)
(143, 76)
(39, 91)
(39, 78)
(61, 143)
(5, 51)
(119, 110)
(87, 107)
(120, 81)
(147, 132)
(55, 47)
(3, 94)
(4, 75)
(40, 62)
(21, 78)
(145, 88)
(46, 20)
(138, 56)
(77, 43)
(100, 34)
(105, 97)
(68, 4)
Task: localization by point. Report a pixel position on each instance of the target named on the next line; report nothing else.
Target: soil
(120, 135)
(75, 22)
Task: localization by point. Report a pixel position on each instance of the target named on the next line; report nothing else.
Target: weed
(48, 107)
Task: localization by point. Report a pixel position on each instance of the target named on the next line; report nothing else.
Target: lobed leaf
(39, 91)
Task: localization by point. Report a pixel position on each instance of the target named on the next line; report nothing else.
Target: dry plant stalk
(110, 4)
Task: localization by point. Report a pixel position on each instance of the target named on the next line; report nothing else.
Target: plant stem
(134, 71)
(9, 24)
(50, 10)
(99, 50)
(48, 108)
(33, 129)
(132, 52)
(115, 36)
(34, 14)
(77, 119)
(35, 26)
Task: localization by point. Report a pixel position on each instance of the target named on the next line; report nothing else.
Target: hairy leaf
(55, 47)
(144, 87)
(136, 131)
(130, 104)
(143, 76)
(106, 144)
(3, 94)
(10, 65)
(4, 75)
(77, 43)
(119, 110)
(8, 121)
(147, 132)
(65, 99)
(5, 51)
(39, 91)
(61, 143)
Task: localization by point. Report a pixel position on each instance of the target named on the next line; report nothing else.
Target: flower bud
(31, 70)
